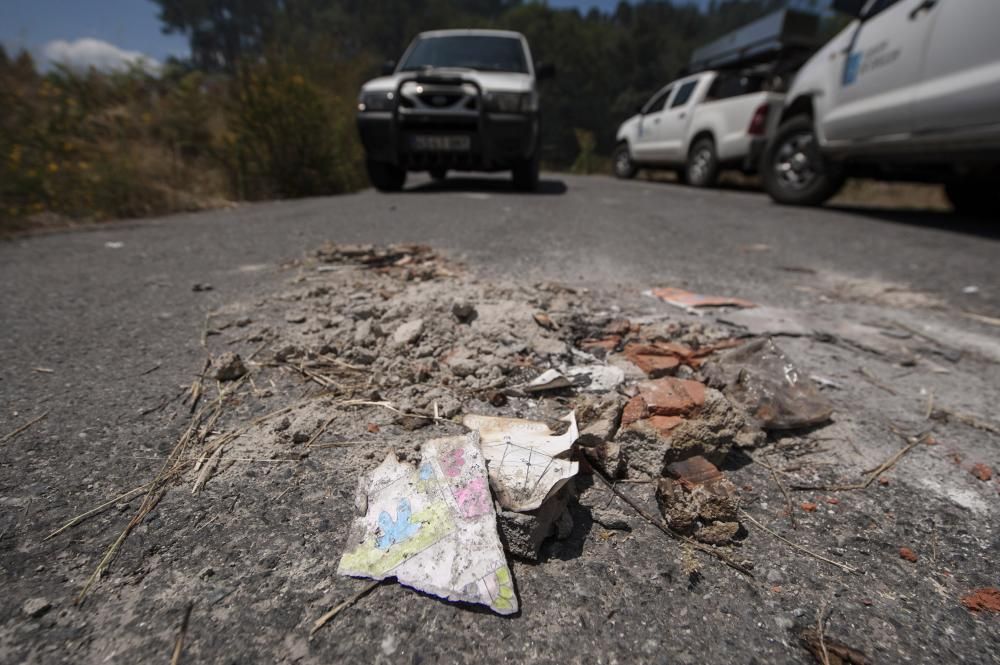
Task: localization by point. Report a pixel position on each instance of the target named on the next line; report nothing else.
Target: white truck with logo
(910, 90)
(699, 125)
(458, 99)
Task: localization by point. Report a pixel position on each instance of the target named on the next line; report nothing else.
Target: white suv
(459, 99)
(910, 90)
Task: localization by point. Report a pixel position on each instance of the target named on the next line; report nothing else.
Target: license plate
(441, 143)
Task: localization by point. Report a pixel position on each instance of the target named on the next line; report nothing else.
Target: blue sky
(116, 29)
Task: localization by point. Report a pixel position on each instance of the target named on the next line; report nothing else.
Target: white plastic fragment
(433, 527)
(550, 379)
(527, 464)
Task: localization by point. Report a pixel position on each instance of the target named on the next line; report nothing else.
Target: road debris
(10, 435)
(759, 376)
(687, 300)
(433, 527)
(550, 379)
(228, 367)
(986, 599)
(527, 463)
(830, 652)
(981, 471)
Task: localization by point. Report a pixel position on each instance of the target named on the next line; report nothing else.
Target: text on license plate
(441, 143)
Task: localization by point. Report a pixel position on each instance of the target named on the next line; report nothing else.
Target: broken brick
(373, 428)
(985, 599)
(600, 347)
(654, 366)
(672, 397)
(808, 506)
(663, 425)
(982, 471)
(908, 554)
(635, 409)
(694, 470)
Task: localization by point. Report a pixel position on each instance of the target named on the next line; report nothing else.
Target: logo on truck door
(858, 64)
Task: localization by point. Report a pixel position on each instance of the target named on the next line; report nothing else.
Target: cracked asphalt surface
(99, 324)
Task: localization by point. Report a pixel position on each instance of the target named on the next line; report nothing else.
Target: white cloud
(85, 53)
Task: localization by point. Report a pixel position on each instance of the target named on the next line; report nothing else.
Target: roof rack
(784, 35)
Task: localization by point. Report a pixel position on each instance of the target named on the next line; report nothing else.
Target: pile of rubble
(647, 399)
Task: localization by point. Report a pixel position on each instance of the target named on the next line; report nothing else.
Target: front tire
(794, 169)
(525, 174)
(702, 168)
(624, 167)
(974, 199)
(386, 177)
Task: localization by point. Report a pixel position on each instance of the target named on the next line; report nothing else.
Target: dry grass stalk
(326, 618)
(23, 427)
(175, 658)
(842, 566)
(873, 474)
(127, 496)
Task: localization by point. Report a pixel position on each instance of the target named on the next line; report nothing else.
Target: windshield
(498, 54)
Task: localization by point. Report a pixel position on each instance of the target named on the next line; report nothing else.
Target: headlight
(511, 102)
(376, 100)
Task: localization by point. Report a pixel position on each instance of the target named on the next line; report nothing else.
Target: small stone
(908, 554)
(408, 333)
(364, 332)
(497, 398)
(295, 317)
(300, 436)
(373, 428)
(286, 352)
(282, 424)
(808, 506)
(197, 287)
(464, 312)
(206, 573)
(545, 321)
(774, 576)
(229, 367)
(35, 607)
(243, 322)
(717, 533)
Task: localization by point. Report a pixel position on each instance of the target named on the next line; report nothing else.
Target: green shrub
(288, 137)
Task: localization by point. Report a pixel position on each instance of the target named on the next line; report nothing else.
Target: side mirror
(544, 70)
(850, 7)
(388, 67)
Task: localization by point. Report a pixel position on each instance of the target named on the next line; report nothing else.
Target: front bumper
(496, 144)
(487, 141)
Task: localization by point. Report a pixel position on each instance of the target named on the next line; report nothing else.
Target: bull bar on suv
(426, 126)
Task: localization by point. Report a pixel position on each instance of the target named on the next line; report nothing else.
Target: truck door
(878, 72)
(676, 118)
(649, 138)
(960, 86)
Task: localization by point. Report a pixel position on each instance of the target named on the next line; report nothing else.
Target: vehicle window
(683, 94)
(658, 101)
(734, 84)
(878, 6)
(497, 54)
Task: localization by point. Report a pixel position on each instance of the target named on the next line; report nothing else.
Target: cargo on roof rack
(784, 35)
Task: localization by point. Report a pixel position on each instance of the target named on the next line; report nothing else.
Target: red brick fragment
(373, 428)
(601, 347)
(982, 471)
(672, 397)
(651, 360)
(808, 506)
(908, 554)
(695, 470)
(985, 599)
(664, 424)
(634, 410)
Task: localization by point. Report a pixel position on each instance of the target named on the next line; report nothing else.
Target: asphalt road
(98, 325)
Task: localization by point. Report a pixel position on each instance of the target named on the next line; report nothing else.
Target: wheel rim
(623, 163)
(796, 163)
(701, 163)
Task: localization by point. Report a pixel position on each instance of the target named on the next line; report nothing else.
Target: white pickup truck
(699, 125)
(910, 90)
